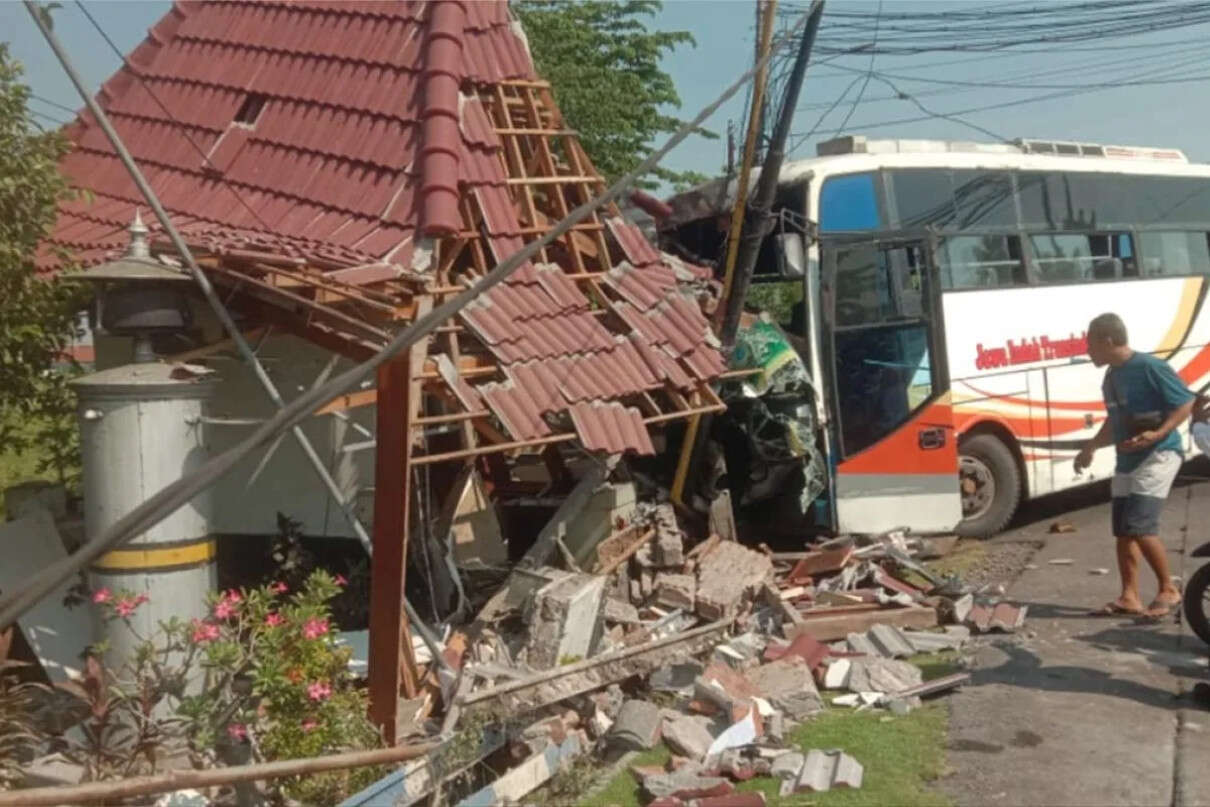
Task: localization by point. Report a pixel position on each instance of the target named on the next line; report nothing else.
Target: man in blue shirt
(1145, 402)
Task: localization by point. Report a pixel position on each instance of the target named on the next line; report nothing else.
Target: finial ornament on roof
(138, 238)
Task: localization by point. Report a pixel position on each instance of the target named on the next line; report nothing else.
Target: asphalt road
(1081, 710)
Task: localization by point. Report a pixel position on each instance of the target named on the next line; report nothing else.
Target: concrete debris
(687, 782)
(836, 674)
(722, 517)
(620, 612)
(954, 637)
(789, 686)
(565, 620)
(677, 678)
(741, 650)
(675, 590)
(1061, 562)
(726, 575)
(689, 736)
(1003, 617)
(1098, 572)
(878, 674)
(890, 642)
(936, 685)
(788, 766)
(669, 543)
(823, 771)
(637, 726)
(740, 734)
(523, 779)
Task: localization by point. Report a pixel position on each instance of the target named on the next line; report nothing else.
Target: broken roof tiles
(344, 133)
(611, 428)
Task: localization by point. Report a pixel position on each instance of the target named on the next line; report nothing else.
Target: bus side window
(981, 262)
(1175, 253)
(1073, 258)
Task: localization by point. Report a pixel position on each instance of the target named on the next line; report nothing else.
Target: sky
(1170, 114)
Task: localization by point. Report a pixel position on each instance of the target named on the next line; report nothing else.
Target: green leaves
(36, 315)
(603, 62)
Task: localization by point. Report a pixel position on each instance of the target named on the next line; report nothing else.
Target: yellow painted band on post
(154, 557)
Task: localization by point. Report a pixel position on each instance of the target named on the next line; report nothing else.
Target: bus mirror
(791, 255)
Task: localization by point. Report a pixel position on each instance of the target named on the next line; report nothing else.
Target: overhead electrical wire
(869, 73)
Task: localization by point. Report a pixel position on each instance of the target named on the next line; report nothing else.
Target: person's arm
(1179, 401)
(1103, 438)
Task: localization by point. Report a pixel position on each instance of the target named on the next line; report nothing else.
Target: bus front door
(894, 454)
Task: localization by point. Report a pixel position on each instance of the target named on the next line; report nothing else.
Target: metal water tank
(140, 430)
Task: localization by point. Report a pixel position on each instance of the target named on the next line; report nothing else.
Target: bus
(944, 291)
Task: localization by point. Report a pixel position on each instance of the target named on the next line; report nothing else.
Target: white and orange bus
(946, 289)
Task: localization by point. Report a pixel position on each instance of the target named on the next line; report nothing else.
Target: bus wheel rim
(978, 487)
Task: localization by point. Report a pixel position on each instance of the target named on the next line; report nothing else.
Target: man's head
(1107, 342)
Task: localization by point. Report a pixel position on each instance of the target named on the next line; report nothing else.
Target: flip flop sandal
(1159, 610)
(1114, 609)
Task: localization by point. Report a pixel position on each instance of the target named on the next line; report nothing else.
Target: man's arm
(1149, 438)
(1102, 438)
(1176, 396)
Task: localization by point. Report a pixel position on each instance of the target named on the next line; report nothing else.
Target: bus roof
(853, 154)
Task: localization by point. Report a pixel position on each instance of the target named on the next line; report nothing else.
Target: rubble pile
(715, 649)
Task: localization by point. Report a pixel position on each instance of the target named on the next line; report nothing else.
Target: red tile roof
(345, 132)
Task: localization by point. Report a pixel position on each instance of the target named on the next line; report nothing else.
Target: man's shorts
(1138, 496)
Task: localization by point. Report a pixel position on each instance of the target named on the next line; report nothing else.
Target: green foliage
(36, 316)
(261, 678)
(604, 65)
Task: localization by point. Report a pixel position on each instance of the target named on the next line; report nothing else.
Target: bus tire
(990, 484)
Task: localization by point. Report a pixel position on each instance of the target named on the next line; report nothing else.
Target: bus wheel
(990, 484)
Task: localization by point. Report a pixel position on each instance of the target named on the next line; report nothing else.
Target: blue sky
(1171, 114)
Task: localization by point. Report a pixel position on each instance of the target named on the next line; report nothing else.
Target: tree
(36, 315)
(603, 63)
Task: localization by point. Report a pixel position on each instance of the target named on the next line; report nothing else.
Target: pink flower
(204, 631)
(232, 596)
(223, 609)
(314, 628)
(309, 726)
(125, 606)
(142, 598)
(340, 580)
(237, 731)
(279, 587)
(273, 620)
(319, 691)
(102, 595)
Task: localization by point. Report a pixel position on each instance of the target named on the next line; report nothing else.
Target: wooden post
(389, 564)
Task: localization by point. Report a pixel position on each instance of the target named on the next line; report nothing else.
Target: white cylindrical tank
(140, 430)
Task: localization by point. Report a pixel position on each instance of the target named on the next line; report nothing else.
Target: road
(1081, 710)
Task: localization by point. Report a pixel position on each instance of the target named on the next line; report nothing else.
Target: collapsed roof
(343, 165)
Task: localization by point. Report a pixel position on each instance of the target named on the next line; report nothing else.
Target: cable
(46, 117)
(869, 73)
(54, 104)
(181, 127)
(1074, 68)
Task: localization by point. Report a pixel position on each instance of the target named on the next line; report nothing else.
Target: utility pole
(757, 219)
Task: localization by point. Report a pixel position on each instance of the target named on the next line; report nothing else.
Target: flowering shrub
(274, 683)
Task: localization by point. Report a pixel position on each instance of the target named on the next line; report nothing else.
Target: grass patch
(15, 467)
(902, 756)
(623, 789)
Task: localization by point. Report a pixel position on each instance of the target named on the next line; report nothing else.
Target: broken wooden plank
(840, 625)
(627, 553)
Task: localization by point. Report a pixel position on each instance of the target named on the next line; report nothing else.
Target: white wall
(288, 483)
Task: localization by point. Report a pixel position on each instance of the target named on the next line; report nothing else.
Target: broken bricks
(726, 575)
(637, 727)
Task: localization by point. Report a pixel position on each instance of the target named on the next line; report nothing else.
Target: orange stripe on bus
(900, 453)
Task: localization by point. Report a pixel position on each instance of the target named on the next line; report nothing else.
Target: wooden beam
(351, 401)
(392, 663)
